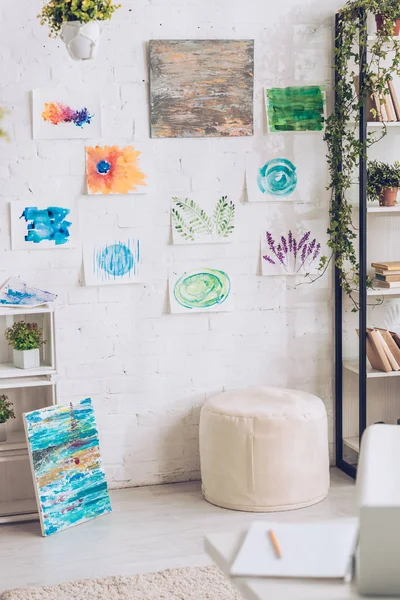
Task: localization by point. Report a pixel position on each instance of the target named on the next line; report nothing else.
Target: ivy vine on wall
(341, 132)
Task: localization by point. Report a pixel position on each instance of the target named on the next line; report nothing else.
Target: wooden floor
(151, 528)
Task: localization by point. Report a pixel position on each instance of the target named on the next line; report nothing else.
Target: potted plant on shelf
(383, 182)
(25, 340)
(391, 28)
(77, 22)
(6, 412)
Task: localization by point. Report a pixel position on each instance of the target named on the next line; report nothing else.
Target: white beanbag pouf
(264, 449)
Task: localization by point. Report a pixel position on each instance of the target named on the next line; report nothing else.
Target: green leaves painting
(191, 223)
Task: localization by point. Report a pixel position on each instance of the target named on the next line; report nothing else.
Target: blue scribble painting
(112, 263)
(66, 465)
(16, 293)
(48, 224)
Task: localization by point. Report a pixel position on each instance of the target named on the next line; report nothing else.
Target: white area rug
(193, 583)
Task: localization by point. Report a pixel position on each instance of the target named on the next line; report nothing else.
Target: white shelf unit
(352, 365)
(353, 443)
(28, 390)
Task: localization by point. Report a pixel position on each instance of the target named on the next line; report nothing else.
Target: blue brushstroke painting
(66, 463)
(48, 224)
(116, 261)
(17, 293)
(277, 177)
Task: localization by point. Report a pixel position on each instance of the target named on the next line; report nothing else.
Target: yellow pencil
(275, 543)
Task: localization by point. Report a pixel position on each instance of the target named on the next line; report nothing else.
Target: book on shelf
(390, 278)
(396, 338)
(393, 265)
(372, 108)
(395, 99)
(391, 114)
(377, 283)
(386, 272)
(393, 347)
(389, 354)
(375, 353)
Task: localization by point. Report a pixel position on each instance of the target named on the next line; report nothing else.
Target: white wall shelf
(352, 365)
(27, 389)
(384, 209)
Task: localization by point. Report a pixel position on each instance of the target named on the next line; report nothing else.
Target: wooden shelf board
(384, 292)
(353, 443)
(7, 370)
(352, 365)
(25, 310)
(18, 510)
(15, 441)
(383, 209)
(25, 382)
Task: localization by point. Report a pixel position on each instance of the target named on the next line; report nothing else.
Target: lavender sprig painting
(290, 255)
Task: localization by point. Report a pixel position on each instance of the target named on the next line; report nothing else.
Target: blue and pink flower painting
(290, 254)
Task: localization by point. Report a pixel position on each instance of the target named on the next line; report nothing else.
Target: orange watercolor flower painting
(114, 170)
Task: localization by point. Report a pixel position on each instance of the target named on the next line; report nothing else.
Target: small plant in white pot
(25, 340)
(77, 22)
(6, 413)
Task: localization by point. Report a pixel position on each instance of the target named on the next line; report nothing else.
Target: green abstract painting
(295, 108)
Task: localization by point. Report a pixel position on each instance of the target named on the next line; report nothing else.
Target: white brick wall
(149, 372)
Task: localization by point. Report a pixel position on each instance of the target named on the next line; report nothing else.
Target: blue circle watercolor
(116, 260)
(103, 166)
(278, 177)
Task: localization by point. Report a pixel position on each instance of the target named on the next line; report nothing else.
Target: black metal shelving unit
(345, 466)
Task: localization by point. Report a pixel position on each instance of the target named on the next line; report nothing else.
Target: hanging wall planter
(81, 39)
(77, 22)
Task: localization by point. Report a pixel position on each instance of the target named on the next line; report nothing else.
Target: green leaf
(224, 217)
(197, 222)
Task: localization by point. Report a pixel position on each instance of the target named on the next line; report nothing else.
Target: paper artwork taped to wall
(295, 108)
(270, 180)
(290, 254)
(15, 293)
(192, 224)
(200, 290)
(201, 88)
(112, 262)
(60, 113)
(115, 170)
(68, 475)
(42, 227)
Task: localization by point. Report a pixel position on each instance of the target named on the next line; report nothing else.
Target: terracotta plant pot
(388, 197)
(379, 24)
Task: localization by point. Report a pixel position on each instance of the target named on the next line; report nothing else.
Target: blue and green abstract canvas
(66, 465)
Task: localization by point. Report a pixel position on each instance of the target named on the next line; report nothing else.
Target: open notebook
(308, 550)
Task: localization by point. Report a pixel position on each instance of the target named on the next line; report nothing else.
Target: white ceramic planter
(26, 359)
(81, 39)
(3, 432)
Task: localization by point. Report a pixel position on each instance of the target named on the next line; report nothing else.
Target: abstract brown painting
(201, 88)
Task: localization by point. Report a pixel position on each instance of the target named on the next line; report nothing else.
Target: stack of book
(387, 275)
(383, 349)
(386, 106)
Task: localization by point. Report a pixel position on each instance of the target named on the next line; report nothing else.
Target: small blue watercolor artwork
(41, 227)
(15, 293)
(112, 262)
(68, 475)
(270, 180)
(277, 177)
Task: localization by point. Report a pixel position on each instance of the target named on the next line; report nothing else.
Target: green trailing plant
(57, 12)
(381, 176)
(341, 131)
(192, 222)
(6, 409)
(24, 336)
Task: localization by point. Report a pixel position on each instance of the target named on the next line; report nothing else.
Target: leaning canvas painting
(66, 465)
(201, 88)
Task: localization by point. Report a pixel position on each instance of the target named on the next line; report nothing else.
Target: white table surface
(223, 547)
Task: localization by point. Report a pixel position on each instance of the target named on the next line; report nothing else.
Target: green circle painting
(202, 288)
